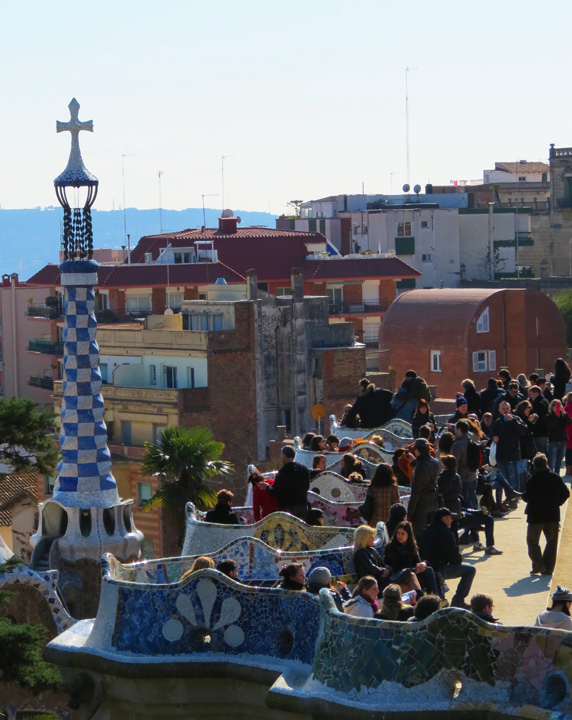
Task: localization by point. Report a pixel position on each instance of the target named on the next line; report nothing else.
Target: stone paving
(518, 596)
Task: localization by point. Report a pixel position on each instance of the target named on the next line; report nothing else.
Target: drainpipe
(491, 242)
(13, 280)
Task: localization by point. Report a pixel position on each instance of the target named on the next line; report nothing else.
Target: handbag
(366, 509)
(493, 454)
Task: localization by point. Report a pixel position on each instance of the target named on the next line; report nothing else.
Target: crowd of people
(508, 439)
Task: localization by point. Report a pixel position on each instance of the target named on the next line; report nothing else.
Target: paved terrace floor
(518, 596)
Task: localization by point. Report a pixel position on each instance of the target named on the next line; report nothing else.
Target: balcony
(48, 347)
(564, 203)
(44, 311)
(356, 308)
(41, 381)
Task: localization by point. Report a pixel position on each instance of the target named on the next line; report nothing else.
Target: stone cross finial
(75, 171)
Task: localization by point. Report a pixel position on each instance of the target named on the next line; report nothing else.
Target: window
(480, 361)
(217, 322)
(103, 369)
(483, 322)
(283, 291)
(202, 296)
(522, 178)
(143, 493)
(424, 224)
(492, 359)
(137, 303)
(336, 297)
(183, 258)
(126, 432)
(170, 377)
(405, 246)
(49, 482)
(174, 300)
(404, 229)
(435, 361)
(370, 332)
(152, 374)
(191, 377)
(428, 257)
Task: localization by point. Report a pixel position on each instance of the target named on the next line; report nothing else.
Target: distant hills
(29, 239)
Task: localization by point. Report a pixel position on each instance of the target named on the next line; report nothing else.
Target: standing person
(438, 547)
(472, 396)
(558, 615)
(540, 409)
(423, 416)
(450, 485)
(560, 378)
(383, 488)
(373, 405)
(291, 485)
(527, 444)
(544, 495)
(557, 422)
(468, 475)
(545, 389)
(262, 503)
(568, 409)
(424, 498)
(489, 395)
(523, 384)
(505, 377)
(512, 396)
(507, 431)
(461, 413)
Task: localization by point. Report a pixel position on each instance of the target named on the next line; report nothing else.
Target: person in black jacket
(424, 498)
(438, 547)
(561, 376)
(291, 485)
(489, 395)
(540, 409)
(221, 513)
(472, 396)
(544, 495)
(507, 431)
(402, 553)
(373, 405)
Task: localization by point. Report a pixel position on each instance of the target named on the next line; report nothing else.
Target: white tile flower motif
(230, 612)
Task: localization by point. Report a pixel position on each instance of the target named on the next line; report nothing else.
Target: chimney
(297, 284)
(251, 285)
(227, 223)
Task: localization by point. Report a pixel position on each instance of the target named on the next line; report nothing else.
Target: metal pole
(123, 178)
(159, 173)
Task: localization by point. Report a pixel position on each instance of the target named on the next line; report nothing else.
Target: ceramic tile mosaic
(280, 530)
(334, 459)
(399, 429)
(46, 583)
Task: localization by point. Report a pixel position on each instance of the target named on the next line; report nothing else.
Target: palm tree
(184, 458)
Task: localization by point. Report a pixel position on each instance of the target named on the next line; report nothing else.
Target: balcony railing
(48, 347)
(356, 308)
(43, 311)
(39, 381)
(563, 203)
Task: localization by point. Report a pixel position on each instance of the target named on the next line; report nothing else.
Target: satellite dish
(238, 219)
(406, 187)
(417, 189)
(227, 213)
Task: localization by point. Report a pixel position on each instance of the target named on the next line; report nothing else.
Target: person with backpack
(468, 462)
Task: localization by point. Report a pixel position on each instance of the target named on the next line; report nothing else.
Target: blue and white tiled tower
(85, 516)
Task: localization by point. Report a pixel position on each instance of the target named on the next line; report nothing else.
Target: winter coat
(527, 446)
(373, 405)
(509, 433)
(473, 401)
(438, 547)
(221, 513)
(404, 402)
(400, 557)
(540, 408)
(557, 425)
(450, 487)
(544, 494)
(262, 502)
(424, 496)
(359, 607)
(559, 380)
(459, 450)
(554, 619)
(383, 499)
(418, 420)
(291, 485)
(368, 561)
(488, 397)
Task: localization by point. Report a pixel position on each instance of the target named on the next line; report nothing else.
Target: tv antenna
(407, 71)
(159, 173)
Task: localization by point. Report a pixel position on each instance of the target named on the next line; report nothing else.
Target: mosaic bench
(399, 430)
(279, 530)
(364, 450)
(255, 560)
(450, 661)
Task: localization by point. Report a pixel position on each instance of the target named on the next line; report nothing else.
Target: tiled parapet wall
(279, 530)
(207, 616)
(398, 429)
(255, 559)
(451, 660)
(46, 584)
(365, 450)
(334, 487)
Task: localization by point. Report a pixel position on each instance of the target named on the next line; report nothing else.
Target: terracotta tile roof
(340, 268)
(148, 275)
(11, 488)
(529, 167)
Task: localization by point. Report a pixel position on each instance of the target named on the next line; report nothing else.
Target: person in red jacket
(262, 503)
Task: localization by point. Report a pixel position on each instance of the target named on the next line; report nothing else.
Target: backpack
(475, 456)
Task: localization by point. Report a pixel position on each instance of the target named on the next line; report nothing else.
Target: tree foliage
(21, 649)
(184, 459)
(563, 300)
(25, 441)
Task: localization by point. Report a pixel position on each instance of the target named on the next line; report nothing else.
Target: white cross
(74, 127)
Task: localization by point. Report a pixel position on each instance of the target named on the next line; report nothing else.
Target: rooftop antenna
(407, 71)
(224, 157)
(159, 173)
(203, 197)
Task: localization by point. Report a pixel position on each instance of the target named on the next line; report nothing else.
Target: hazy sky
(307, 97)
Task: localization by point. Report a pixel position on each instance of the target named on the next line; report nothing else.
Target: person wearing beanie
(424, 498)
(462, 412)
(320, 578)
(558, 615)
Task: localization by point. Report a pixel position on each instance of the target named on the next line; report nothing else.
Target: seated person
(426, 606)
(319, 578)
(475, 520)
(377, 440)
(201, 563)
(318, 444)
(262, 503)
(315, 517)
(319, 464)
(346, 444)
(482, 606)
(228, 568)
(307, 440)
(438, 547)
(397, 513)
(402, 553)
(367, 560)
(293, 577)
(364, 598)
(392, 607)
(333, 441)
(558, 615)
(353, 423)
(221, 513)
(352, 464)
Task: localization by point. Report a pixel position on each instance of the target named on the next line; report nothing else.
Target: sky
(305, 98)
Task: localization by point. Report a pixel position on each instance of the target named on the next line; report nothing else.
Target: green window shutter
(323, 226)
(292, 224)
(405, 246)
(312, 225)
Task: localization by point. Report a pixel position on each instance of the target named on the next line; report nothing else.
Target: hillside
(31, 238)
